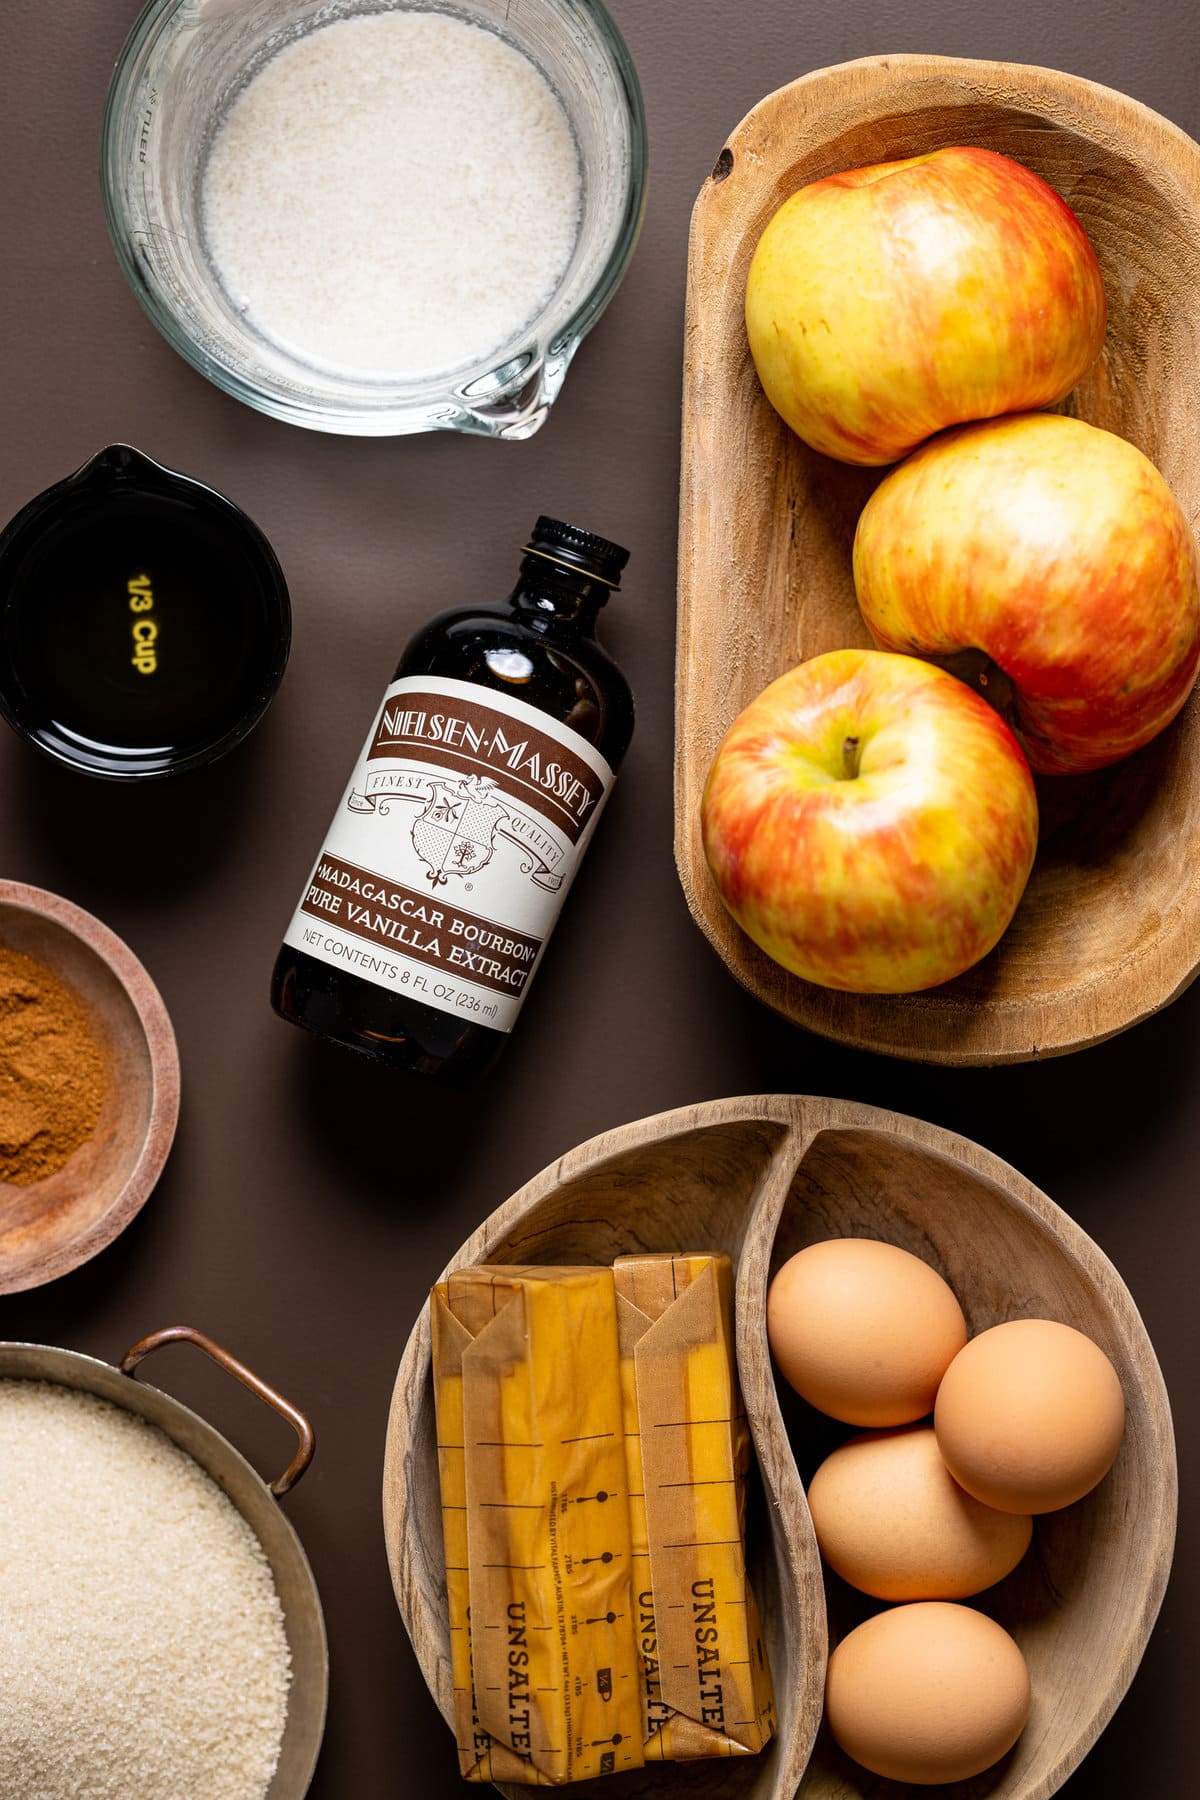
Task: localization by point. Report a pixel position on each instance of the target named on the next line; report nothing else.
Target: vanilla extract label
(521, 757)
(454, 846)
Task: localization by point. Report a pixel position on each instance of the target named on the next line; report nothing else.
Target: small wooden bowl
(52, 1226)
(760, 1178)
(1108, 930)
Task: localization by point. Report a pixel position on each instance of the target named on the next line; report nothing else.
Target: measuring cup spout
(522, 407)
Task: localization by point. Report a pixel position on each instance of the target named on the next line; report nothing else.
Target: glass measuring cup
(184, 63)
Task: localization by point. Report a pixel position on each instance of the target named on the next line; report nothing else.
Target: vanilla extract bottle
(464, 821)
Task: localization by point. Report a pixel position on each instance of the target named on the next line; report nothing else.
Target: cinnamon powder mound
(53, 1072)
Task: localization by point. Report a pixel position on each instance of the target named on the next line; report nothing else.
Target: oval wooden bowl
(760, 1178)
(1109, 927)
(52, 1226)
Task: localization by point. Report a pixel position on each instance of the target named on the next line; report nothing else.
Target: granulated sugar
(142, 1646)
(393, 195)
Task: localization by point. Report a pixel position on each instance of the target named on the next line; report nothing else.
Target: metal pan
(254, 1498)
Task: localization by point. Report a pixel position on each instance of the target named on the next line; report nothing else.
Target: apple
(887, 303)
(1059, 552)
(870, 822)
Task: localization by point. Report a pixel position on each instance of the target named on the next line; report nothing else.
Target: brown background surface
(310, 1201)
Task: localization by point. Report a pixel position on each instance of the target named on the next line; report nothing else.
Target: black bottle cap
(577, 549)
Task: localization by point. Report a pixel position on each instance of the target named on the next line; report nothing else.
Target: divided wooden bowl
(761, 1178)
(1109, 929)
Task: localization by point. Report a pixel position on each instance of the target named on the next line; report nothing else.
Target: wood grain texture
(52, 1226)
(761, 1178)
(1109, 929)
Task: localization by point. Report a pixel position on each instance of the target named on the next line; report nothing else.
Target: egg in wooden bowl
(1106, 932)
(759, 1179)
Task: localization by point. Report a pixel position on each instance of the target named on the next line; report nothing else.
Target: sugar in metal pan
(255, 1499)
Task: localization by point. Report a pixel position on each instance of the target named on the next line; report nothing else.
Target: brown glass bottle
(473, 801)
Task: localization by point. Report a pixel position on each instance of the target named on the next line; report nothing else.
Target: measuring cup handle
(176, 1334)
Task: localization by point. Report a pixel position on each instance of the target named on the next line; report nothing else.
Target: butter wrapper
(536, 1516)
(706, 1684)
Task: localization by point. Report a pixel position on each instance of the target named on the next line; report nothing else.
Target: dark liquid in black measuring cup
(145, 619)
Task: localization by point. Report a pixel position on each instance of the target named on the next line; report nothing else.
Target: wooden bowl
(1108, 930)
(52, 1226)
(760, 1178)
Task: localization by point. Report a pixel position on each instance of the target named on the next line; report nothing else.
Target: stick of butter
(706, 1683)
(479, 1757)
(551, 1668)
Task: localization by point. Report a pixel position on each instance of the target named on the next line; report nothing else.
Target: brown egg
(927, 1693)
(863, 1330)
(1030, 1415)
(891, 1520)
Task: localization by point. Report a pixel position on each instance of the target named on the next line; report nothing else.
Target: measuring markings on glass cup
(147, 121)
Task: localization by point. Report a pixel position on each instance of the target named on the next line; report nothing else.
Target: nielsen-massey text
(402, 727)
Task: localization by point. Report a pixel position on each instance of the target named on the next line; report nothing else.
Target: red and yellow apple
(870, 823)
(1058, 551)
(887, 303)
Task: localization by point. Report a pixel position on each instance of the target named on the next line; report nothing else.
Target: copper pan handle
(177, 1334)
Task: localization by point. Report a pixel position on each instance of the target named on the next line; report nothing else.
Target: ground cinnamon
(53, 1071)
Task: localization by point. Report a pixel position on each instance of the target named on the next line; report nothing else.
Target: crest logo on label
(456, 832)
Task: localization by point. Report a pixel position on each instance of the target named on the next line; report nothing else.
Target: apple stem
(850, 758)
